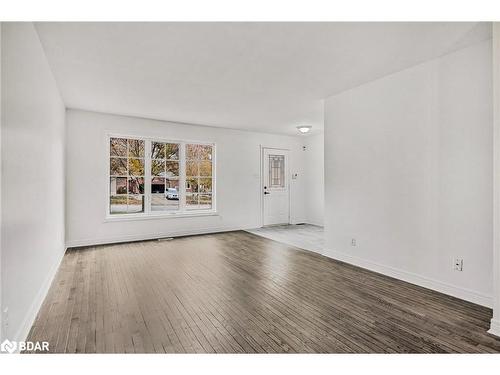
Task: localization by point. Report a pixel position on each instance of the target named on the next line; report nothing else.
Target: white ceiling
(256, 76)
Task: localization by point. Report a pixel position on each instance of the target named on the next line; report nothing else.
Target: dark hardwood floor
(240, 293)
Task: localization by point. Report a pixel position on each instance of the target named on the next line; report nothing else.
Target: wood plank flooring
(240, 293)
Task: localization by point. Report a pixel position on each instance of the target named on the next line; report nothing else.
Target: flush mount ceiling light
(304, 128)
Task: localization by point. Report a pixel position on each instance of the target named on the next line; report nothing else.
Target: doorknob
(266, 192)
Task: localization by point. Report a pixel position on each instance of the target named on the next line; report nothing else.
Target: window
(156, 177)
(165, 185)
(198, 176)
(126, 176)
(277, 171)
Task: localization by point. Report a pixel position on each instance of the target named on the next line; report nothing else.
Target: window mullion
(182, 177)
(147, 177)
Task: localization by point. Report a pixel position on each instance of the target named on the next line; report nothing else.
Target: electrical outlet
(458, 264)
(353, 242)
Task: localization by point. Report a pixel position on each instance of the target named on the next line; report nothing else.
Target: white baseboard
(494, 327)
(23, 331)
(413, 278)
(151, 236)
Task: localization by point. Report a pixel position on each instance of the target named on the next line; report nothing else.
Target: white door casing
(495, 320)
(275, 187)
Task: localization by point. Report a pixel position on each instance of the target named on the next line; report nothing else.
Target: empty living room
(228, 185)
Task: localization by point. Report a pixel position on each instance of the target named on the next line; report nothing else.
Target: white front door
(275, 187)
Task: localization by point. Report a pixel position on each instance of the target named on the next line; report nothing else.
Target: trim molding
(142, 216)
(29, 319)
(495, 322)
(494, 327)
(413, 278)
(317, 223)
(151, 236)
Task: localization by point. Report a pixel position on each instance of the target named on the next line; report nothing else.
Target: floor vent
(165, 239)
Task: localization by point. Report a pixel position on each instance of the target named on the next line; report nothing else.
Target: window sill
(133, 217)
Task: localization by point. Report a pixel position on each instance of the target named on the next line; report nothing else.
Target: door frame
(261, 182)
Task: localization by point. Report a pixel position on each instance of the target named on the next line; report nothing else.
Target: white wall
(238, 178)
(409, 174)
(1, 313)
(32, 176)
(314, 184)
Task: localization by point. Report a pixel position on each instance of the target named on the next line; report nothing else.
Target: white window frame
(148, 214)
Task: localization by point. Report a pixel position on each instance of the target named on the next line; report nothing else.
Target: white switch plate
(458, 264)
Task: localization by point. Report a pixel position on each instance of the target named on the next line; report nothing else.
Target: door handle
(266, 192)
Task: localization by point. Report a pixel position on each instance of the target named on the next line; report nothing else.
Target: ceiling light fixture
(304, 128)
